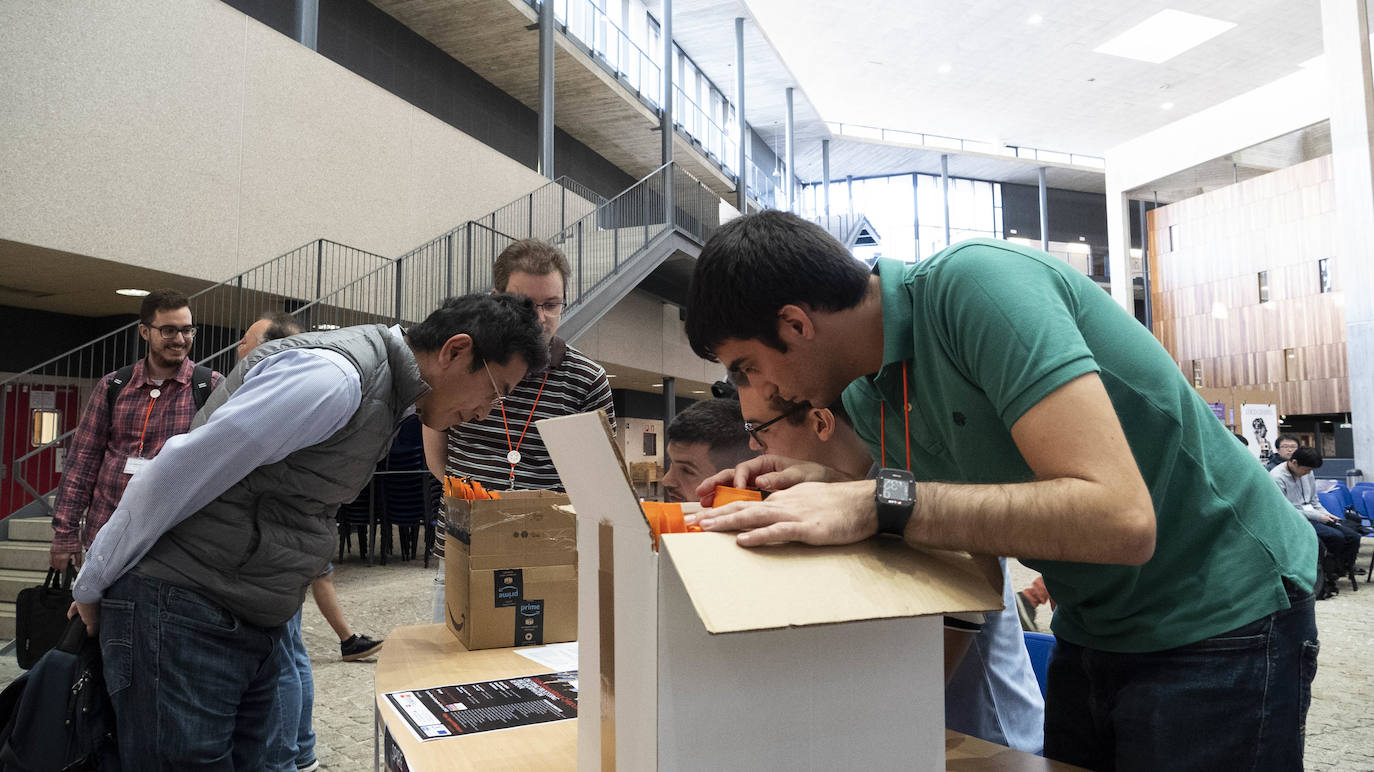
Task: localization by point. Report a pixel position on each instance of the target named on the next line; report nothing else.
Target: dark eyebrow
(736, 365)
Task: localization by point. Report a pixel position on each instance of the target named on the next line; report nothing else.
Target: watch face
(896, 490)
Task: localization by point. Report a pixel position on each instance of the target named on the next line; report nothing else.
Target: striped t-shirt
(478, 450)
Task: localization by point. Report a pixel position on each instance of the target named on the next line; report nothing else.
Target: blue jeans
(293, 739)
(192, 686)
(1235, 701)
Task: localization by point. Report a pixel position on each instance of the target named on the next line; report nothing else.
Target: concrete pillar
(546, 55)
(789, 190)
(669, 403)
(308, 23)
(1044, 212)
(1119, 243)
(944, 191)
(825, 175)
(668, 130)
(742, 129)
(1345, 38)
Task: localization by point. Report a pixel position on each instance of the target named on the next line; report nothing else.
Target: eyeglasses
(756, 430)
(552, 308)
(169, 332)
(499, 399)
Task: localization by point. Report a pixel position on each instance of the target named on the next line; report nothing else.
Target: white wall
(1287, 104)
(646, 334)
(183, 136)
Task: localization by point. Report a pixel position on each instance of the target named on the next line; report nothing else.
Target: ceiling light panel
(1164, 36)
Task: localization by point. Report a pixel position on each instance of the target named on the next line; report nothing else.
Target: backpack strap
(117, 384)
(202, 383)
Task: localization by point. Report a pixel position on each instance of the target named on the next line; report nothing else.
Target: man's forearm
(1061, 519)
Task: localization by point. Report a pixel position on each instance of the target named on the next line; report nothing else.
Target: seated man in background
(1294, 477)
(992, 693)
(702, 440)
(1283, 450)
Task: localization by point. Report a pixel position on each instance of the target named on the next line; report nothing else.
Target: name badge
(134, 464)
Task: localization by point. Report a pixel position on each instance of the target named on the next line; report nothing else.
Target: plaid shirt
(93, 477)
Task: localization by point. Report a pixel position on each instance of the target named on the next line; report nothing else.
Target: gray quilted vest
(258, 546)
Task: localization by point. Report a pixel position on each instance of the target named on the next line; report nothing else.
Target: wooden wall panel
(1205, 257)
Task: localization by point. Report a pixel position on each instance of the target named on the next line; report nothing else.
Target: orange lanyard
(151, 401)
(514, 456)
(882, 423)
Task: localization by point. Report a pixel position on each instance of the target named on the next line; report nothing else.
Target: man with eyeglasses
(990, 690)
(190, 592)
(117, 437)
(702, 440)
(504, 451)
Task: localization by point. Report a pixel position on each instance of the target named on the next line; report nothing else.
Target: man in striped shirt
(504, 450)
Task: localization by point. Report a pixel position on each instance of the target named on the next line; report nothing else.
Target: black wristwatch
(895, 495)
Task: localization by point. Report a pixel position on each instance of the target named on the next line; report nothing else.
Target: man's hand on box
(808, 512)
(768, 473)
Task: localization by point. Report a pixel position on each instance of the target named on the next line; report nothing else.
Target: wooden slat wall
(1283, 222)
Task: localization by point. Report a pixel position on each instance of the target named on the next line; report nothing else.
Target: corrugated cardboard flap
(734, 589)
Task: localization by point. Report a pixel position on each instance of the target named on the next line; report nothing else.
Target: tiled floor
(378, 598)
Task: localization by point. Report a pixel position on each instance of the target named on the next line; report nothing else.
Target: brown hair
(161, 300)
(530, 256)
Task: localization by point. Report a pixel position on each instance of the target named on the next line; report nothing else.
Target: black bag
(40, 615)
(58, 715)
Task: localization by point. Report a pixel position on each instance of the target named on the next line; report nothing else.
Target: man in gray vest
(211, 549)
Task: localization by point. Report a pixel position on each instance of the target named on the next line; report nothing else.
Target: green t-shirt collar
(898, 312)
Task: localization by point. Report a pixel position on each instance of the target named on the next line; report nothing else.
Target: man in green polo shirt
(1039, 421)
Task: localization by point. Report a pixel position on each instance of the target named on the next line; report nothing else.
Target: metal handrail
(317, 282)
(942, 142)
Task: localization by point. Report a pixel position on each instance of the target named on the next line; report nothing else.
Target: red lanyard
(882, 423)
(514, 456)
(151, 400)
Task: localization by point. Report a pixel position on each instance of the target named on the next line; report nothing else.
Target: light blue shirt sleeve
(288, 401)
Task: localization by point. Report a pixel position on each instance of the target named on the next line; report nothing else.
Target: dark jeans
(1342, 541)
(1236, 701)
(192, 686)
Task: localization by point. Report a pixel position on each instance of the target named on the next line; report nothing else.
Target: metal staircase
(659, 224)
(293, 282)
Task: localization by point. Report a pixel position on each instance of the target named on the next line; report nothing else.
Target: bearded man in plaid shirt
(109, 447)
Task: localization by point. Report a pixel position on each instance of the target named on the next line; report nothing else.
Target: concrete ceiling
(1278, 153)
(878, 63)
(63, 282)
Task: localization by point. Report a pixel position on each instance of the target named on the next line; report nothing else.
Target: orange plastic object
(459, 488)
(726, 495)
(666, 518)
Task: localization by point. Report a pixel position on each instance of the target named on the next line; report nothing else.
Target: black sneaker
(358, 647)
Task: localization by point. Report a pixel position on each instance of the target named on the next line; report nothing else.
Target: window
(47, 425)
(1324, 274)
(650, 443)
(1197, 372)
(1290, 365)
(1262, 279)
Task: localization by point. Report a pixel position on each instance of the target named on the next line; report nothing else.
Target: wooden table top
(423, 656)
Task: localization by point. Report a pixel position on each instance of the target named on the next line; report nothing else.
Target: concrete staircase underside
(23, 563)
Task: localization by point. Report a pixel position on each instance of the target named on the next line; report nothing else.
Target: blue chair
(1040, 646)
(1331, 502)
(1366, 497)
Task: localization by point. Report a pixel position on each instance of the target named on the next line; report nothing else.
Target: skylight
(1164, 36)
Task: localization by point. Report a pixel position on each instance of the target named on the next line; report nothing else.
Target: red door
(36, 420)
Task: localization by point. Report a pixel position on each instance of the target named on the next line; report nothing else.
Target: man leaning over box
(191, 593)
(1021, 397)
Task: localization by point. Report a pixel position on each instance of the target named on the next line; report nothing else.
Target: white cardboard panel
(588, 464)
(588, 646)
(862, 695)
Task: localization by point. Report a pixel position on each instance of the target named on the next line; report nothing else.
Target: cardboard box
(706, 655)
(511, 570)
